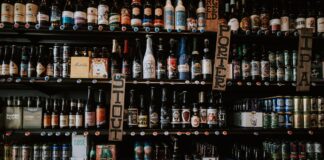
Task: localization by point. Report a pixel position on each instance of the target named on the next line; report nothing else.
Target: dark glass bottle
(14, 62)
(195, 62)
(320, 18)
(191, 17)
(132, 111)
(50, 65)
(284, 19)
(185, 111)
(24, 62)
(41, 62)
(195, 120)
(202, 109)
(245, 23)
(211, 112)
(137, 61)
(222, 116)
(207, 62)
(55, 114)
(165, 111)
(311, 17)
(103, 11)
(275, 22)
(1, 60)
(64, 115)
(236, 62)
(153, 111)
(7, 15)
(92, 13)
(90, 111)
(161, 61)
(246, 64)
(6, 61)
(136, 20)
(148, 14)
(233, 22)
(43, 14)
(143, 116)
(101, 110)
(172, 70)
(265, 66)
(158, 14)
(183, 66)
(255, 64)
(176, 112)
(126, 64)
(292, 18)
(176, 153)
(115, 58)
(265, 19)
(32, 62)
(80, 14)
(67, 14)
(56, 14)
(114, 16)
(125, 15)
(47, 114)
(31, 12)
(20, 12)
(79, 119)
(72, 114)
(255, 19)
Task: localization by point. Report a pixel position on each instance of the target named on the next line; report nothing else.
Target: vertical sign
(304, 59)
(221, 57)
(117, 107)
(211, 15)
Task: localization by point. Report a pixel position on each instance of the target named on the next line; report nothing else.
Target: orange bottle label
(100, 116)
(55, 120)
(47, 120)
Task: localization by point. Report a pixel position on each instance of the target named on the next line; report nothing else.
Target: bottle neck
(149, 49)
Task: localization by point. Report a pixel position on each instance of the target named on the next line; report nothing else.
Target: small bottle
(168, 16)
(185, 111)
(101, 110)
(103, 11)
(180, 17)
(68, 14)
(172, 68)
(56, 14)
(195, 120)
(137, 61)
(136, 20)
(43, 15)
(158, 15)
(148, 15)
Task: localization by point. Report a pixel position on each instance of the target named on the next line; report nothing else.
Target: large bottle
(149, 71)
(126, 64)
(41, 62)
(201, 16)
(158, 14)
(168, 16)
(43, 14)
(80, 14)
(165, 117)
(142, 117)
(185, 111)
(212, 112)
(7, 12)
(132, 111)
(90, 111)
(176, 111)
(114, 16)
(125, 15)
(148, 14)
(246, 64)
(172, 68)
(1, 59)
(236, 62)
(161, 61)
(24, 62)
(137, 61)
(202, 109)
(31, 12)
(265, 66)
(195, 62)
(67, 14)
(101, 110)
(64, 115)
(136, 20)
(103, 11)
(20, 12)
(115, 59)
(255, 64)
(153, 111)
(6, 61)
(92, 13)
(14, 62)
(183, 66)
(180, 16)
(56, 14)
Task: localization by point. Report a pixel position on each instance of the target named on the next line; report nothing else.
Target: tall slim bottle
(284, 20)
(6, 61)
(137, 61)
(185, 111)
(320, 19)
(275, 20)
(149, 71)
(132, 111)
(80, 14)
(176, 112)
(41, 62)
(92, 13)
(183, 66)
(148, 14)
(212, 112)
(158, 14)
(32, 62)
(90, 112)
(126, 64)
(43, 14)
(161, 61)
(233, 21)
(136, 20)
(56, 14)
(202, 109)
(180, 16)
(115, 58)
(143, 116)
(68, 14)
(172, 68)
(201, 16)
(24, 62)
(245, 23)
(153, 111)
(195, 62)
(165, 117)
(114, 16)
(168, 16)
(125, 14)
(191, 17)
(14, 62)
(101, 110)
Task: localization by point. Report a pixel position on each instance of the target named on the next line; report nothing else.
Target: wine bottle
(148, 14)
(255, 64)
(136, 20)
(176, 112)
(72, 114)
(132, 111)
(168, 16)
(24, 62)
(185, 111)
(265, 66)
(137, 61)
(56, 14)
(31, 12)
(320, 19)
(7, 12)
(143, 116)
(92, 13)
(101, 110)
(202, 109)
(41, 62)
(14, 61)
(50, 66)
(158, 14)
(161, 62)
(32, 62)
(115, 59)
(103, 11)
(195, 62)
(90, 112)
(192, 17)
(125, 15)
(6, 61)
(255, 19)
(245, 23)
(183, 66)
(64, 115)
(180, 16)
(172, 61)
(211, 112)
(80, 14)
(153, 111)
(126, 61)
(149, 71)
(79, 119)
(233, 21)
(67, 14)
(206, 62)
(43, 15)
(114, 16)
(20, 12)
(165, 111)
(246, 64)
(284, 20)
(195, 120)
(275, 20)
(310, 20)
(236, 62)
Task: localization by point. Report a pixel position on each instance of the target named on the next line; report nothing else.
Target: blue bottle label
(183, 67)
(169, 18)
(67, 17)
(180, 18)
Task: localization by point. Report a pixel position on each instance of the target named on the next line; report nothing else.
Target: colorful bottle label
(236, 69)
(176, 116)
(212, 116)
(195, 69)
(80, 17)
(47, 121)
(31, 12)
(20, 13)
(55, 120)
(40, 69)
(158, 22)
(165, 116)
(125, 17)
(147, 20)
(203, 115)
(201, 20)
(284, 24)
(195, 121)
(67, 17)
(183, 67)
(245, 23)
(154, 118)
(100, 116)
(265, 20)
(7, 13)
(23, 69)
(114, 19)
(180, 20)
(169, 19)
(103, 11)
(172, 67)
(265, 69)
(92, 15)
(246, 69)
(142, 121)
(55, 14)
(13, 68)
(275, 24)
(185, 115)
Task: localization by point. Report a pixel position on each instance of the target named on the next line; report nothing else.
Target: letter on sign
(304, 59)
(117, 107)
(221, 58)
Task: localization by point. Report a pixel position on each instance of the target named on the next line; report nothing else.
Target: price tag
(188, 133)
(225, 133)
(179, 133)
(206, 133)
(79, 81)
(290, 133)
(74, 133)
(196, 133)
(58, 133)
(202, 82)
(86, 133)
(310, 132)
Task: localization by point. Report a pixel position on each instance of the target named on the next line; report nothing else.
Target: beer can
(318, 151)
(26, 152)
(287, 58)
(16, 154)
(280, 74)
(66, 152)
(280, 105)
(280, 59)
(285, 150)
(272, 58)
(298, 120)
(298, 104)
(7, 152)
(302, 150)
(294, 58)
(57, 69)
(306, 119)
(294, 74)
(37, 152)
(276, 150)
(306, 104)
(274, 104)
(266, 120)
(56, 53)
(310, 150)
(281, 120)
(56, 152)
(274, 120)
(314, 105)
(289, 104)
(293, 146)
(65, 69)
(313, 120)
(288, 74)
(66, 53)
(289, 120)
(321, 121)
(46, 152)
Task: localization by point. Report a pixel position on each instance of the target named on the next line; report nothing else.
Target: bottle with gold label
(31, 12)
(7, 12)
(125, 16)
(143, 116)
(245, 23)
(20, 12)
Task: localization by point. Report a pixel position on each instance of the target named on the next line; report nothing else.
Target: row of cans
(293, 150)
(37, 152)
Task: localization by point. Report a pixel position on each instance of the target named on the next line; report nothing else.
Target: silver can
(294, 74)
(298, 120)
(37, 152)
(66, 53)
(294, 58)
(314, 105)
(16, 152)
(289, 104)
(56, 53)
(57, 70)
(66, 70)
(46, 152)
(288, 74)
(320, 104)
(306, 104)
(306, 118)
(320, 120)
(26, 152)
(298, 104)
(287, 58)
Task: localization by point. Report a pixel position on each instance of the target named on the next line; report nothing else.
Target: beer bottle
(149, 71)
(206, 62)
(195, 62)
(320, 19)
(201, 16)
(161, 61)
(114, 16)
(103, 11)
(255, 64)
(176, 112)
(180, 16)
(275, 20)
(153, 111)
(32, 62)
(310, 20)
(301, 20)
(6, 61)
(183, 66)
(90, 112)
(72, 114)
(176, 153)
(67, 14)
(132, 111)
(265, 66)
(1, 59)
(246, 64)
(292, 18)
(195, 120)
(212, 112)
(245, 23)
(172, 61)
(115, 59)
(31, 12)
(80, 14)
(165, 110)
(223, 13)
(265, 19)
(20, 12)
(125, 15)
(64, 115)
(50, 65)
(136, 20)
(191, 17)
(24, 62)
(7, 12)
(56, 14)
(43, 14)
(142, 117)
(79, 118)
(202, 109)
(236, 62)
(126, 68)
(41, 62)
(92, 13)
(233, 21)
(185, 111)
(55, 114)
(92, 152)
(158, 14)
(168, 16)
(14, 62)
(101, 110)
(137, 61)
(148, 14)
(47, 115)
(284, 19)
(222, 117)
(255, 19)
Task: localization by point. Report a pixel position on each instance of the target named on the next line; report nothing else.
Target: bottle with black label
(64, 115)
(32, 62)
(72, 114)
(137, 61)
(185, 111)
(90, 111)
(143, 116)
(212, 112)
(14, 62)
(31, 12)
(165, 111)
(161, 61)
(195, 62)
(202, 109)
(79, 118)
(195, 119)
(41, 63)
(132, 111)
(153, 111)
(172, 70)
(176, 111)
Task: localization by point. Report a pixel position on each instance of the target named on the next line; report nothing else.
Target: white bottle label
(137, 69)
(300, 23)
(13, 69)
(42, 17)
(183, 68)
(284, 24)
(20, 11)
(169, 18)
(5, 69)
(78, 120)
(320, 24)
(211, 116)
(64, 120)
(7, 13)
(206, 66)
(310, 23)
(92, 15)
(149, 71)
(103, 11)
(72, 120)
(255, 68)
(31, 12)
(80, 17)
(180, 20)
(234, 23)
(40, 69)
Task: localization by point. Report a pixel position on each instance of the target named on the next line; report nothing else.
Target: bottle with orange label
(55, 114)
(125, 16)
(47, 115)
(136, 20)
(158, 16)
(101, 110)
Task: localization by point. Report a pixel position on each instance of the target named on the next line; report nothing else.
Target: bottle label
(310, 23)
(176, 115)
(42, 17)
(292, 24)
(125, 17)
(195, 69)
(265, 69)
(20, 11)
(92, 15)
(236, 69)
(100, 116)
(275, 24)
(31, 70)
(149, 67)
(300, 23)
(183, 68)
(142, 121)
(154, 118)
(180, 19)
(13, 68)
(90, 119)
(40, 69)
(72, 120)
(136, 22)
(55, 14)
(67, 17)
(201, 20)
(245, 23)
(273, 73)
(7, 13)
(207, 66)
(158, 21)
(78, 120)
(169, 19)
(195, 121)
(137, 70)
(172, 67)
(80, 17)
(191, 23)
(23, 69)
(136, 11)
(284, 24)
(55, 120)
(221, 117)
(31, 12)
(165, 118)
(212, 116)
(264, 21)
(246, 68)
(103, 11)
(50, 70)
(185, 115)
(255, 68)
(114, 19)
(255, 21)
(64, 120)
(234, 24)
(320, 24)
(203, 115)
(132, 116)
(125, 68)
(148, 11)
(47, 121)
(160, 69)
(280, 74)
